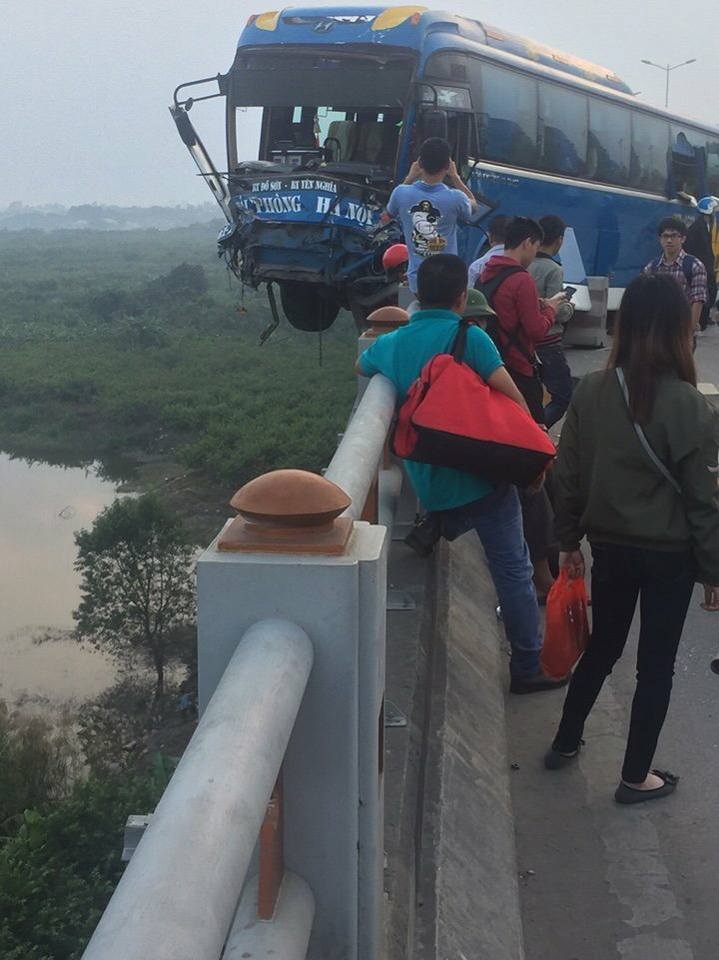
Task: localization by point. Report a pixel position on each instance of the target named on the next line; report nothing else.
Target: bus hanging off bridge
(347, 94)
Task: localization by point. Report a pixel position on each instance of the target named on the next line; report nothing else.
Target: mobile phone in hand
(569, 292)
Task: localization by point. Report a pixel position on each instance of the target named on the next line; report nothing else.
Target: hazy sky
(86, 83)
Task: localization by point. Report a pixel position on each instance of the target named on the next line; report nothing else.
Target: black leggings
(663, 581)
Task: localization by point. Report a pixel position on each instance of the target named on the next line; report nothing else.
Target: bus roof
(410, 26)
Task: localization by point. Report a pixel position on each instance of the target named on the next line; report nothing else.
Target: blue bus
(348, 93)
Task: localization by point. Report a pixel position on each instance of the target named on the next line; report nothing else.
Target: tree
(137, 589)
(59, 867)
(38, 763)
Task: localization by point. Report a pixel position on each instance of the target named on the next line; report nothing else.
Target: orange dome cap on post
(384, 319)
(289, 511)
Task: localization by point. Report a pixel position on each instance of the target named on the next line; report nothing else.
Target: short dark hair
(498, 227)
(671, 223)
(441, 280)
(553, 228)
(434, 155)
(520, 229)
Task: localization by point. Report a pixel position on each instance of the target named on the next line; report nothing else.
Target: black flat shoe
(540, 681)
(555, 760)
(627, 795)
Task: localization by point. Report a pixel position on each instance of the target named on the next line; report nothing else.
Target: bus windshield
(345, 108)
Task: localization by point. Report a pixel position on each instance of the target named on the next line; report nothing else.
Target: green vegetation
(121, 348)
(61, 828)
(138, 594)
(38, 763)
(122, 344)
(59, 857)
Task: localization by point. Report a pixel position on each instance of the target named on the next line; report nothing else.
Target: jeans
(537, 514)
(663, 582)
(531, 390)
(497, 520)
(557, 378)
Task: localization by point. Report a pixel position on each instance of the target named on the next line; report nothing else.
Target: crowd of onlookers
(636, 467)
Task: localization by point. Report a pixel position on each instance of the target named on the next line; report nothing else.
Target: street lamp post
(668, 69)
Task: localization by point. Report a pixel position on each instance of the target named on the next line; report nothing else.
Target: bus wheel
(308, 306)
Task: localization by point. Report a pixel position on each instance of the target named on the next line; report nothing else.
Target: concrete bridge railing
(179, 893)
(270, 835)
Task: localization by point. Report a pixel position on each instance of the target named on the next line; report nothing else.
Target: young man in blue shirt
(427, 209)
(464, 501)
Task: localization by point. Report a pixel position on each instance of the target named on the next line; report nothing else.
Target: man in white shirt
(497, 228)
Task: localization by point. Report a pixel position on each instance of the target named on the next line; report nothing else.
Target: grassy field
(123, 348)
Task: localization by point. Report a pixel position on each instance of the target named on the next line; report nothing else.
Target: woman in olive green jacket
(637, 475)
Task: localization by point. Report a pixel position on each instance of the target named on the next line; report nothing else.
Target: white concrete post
(178, 895)
(332, 780)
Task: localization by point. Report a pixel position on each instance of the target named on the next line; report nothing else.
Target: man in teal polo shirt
(464, 501)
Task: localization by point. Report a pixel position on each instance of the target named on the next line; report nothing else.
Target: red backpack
(452, 418)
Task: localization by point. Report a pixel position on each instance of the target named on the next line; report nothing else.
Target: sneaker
(540, 681)
(424, 534)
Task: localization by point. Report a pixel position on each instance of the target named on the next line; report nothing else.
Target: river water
(41, 507)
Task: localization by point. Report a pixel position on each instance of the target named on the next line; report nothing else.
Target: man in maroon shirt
(522, 318)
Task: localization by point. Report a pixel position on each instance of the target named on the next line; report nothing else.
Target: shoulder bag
(643, 437)
(452, 418)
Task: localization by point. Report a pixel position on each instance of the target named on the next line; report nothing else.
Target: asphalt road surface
(603, 882)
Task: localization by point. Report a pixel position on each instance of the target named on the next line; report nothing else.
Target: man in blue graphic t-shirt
(427, 208)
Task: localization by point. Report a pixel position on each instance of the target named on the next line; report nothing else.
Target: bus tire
(309, 306)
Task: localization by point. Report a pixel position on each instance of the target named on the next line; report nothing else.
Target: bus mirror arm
(220, 80)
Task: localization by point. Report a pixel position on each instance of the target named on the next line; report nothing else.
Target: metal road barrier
(358, 457)
(179, 894)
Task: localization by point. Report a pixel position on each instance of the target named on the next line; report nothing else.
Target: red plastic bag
(566, 633)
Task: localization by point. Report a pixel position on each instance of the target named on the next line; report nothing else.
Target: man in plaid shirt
(689, 272)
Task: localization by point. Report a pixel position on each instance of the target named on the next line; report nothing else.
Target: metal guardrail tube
(177, 898)
(354, 465)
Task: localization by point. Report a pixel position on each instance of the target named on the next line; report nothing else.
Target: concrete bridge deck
(594, 881)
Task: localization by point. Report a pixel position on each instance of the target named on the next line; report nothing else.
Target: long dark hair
(652, 338)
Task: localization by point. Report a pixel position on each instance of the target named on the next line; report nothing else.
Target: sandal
(626, 795)
(555, 759)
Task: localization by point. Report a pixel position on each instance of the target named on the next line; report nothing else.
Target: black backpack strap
(460, 341)
(688, 268)
(489, 289)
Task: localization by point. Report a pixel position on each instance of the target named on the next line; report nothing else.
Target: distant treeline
(98, 216)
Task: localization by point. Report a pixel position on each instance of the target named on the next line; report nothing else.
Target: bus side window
(509, 117)
(563, 140)
(650, 145)
(608, 147)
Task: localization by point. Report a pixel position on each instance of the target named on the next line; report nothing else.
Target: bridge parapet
(291, 664)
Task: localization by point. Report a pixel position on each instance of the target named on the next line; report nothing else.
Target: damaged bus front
(305, 214)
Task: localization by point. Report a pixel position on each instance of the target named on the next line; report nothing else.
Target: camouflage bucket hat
(477, 305)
